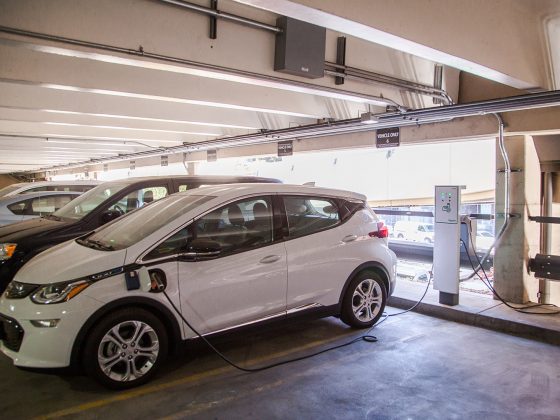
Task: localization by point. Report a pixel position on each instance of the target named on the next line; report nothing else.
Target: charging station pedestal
(447, 236)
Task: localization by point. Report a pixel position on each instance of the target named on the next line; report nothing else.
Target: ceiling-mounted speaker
(300, 48)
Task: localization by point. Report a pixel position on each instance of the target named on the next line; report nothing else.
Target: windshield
(141, 223)
(85, 203)
(429, 228)
(10, 188)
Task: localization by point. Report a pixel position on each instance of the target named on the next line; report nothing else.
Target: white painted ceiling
(64, 103)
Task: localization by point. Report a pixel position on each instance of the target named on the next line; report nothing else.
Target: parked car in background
(21, 207)
(484, 240)
(28, 187)
(21, 241)
(414, 231)
(226, 256)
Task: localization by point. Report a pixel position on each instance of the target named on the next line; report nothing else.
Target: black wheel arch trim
(158, 308)
(367, 265)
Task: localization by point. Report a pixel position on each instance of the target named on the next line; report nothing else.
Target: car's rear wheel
(126, 348)
(364, 301)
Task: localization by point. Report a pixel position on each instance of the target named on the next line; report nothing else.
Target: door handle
(270, 259)
(349, 238)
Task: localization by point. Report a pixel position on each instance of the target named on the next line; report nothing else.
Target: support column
(521, 239)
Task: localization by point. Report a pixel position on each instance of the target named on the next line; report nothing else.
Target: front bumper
(31, 346)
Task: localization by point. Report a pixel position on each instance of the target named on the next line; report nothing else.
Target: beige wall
(6, 180)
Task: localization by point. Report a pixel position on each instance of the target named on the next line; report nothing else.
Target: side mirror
(109, 215)
(203, 248)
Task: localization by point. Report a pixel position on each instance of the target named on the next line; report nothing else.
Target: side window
(62, 200)
(238, 226)
(421, 228)
(183, 188)
(139, 198)
(308, 215)
(19, 208)
(39, 206)
(42, 205)
(173, 245)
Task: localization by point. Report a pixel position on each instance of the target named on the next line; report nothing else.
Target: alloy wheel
(128, 351)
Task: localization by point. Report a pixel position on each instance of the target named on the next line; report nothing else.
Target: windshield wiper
(95, 244)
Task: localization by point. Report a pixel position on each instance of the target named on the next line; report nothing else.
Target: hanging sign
(285, 148)
(211, 155)
(387, 137)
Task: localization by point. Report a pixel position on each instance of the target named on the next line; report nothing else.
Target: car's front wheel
(126, 348)
(364, 301)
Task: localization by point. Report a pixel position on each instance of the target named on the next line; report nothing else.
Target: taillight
(382, 231)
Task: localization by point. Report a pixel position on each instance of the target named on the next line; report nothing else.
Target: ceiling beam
(500, 40)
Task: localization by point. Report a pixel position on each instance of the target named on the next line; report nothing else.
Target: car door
(247, 281)
(322, 251)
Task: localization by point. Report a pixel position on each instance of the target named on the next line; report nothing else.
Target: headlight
(59, 292)
(6, 251)
(17, 290)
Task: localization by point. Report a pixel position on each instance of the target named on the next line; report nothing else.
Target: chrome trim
(244, 324)
(303, 308)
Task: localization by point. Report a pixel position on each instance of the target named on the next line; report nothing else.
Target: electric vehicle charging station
(447, 242)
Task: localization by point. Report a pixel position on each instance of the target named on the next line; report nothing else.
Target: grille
(11, 333)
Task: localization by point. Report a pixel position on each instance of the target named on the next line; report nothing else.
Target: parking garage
(442, 118)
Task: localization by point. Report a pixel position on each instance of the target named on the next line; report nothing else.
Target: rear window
(307, 215)
(39, 206)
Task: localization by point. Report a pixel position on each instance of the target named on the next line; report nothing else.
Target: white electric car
(222, 257)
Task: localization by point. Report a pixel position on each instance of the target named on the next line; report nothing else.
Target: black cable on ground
(487, 283)
(365, 337)
(421, 299)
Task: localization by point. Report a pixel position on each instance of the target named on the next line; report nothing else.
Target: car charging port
(158, 281)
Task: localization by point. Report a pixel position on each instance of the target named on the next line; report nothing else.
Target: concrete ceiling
(62, 103)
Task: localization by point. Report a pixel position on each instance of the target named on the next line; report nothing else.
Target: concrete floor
(421, 367)
(480, 310)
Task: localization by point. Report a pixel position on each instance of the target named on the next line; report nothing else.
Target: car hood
(68, 261)
(30, 228)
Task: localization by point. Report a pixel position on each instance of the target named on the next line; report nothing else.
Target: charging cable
(365, 337)
(420, 300)
(523, 309)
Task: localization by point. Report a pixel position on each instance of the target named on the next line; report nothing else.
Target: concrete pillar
(191, 168)
(521, 239)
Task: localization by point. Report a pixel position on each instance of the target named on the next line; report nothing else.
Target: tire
(400, 236)
(364, 300)
(427, 240)
(112, 339)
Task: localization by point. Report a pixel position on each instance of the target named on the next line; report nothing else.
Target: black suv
(19, 242)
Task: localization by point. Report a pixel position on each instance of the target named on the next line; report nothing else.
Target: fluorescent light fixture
(171, 99)
(369, 118)
(103, 143)
(115, 127)
(130, 117)
(84, 149)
